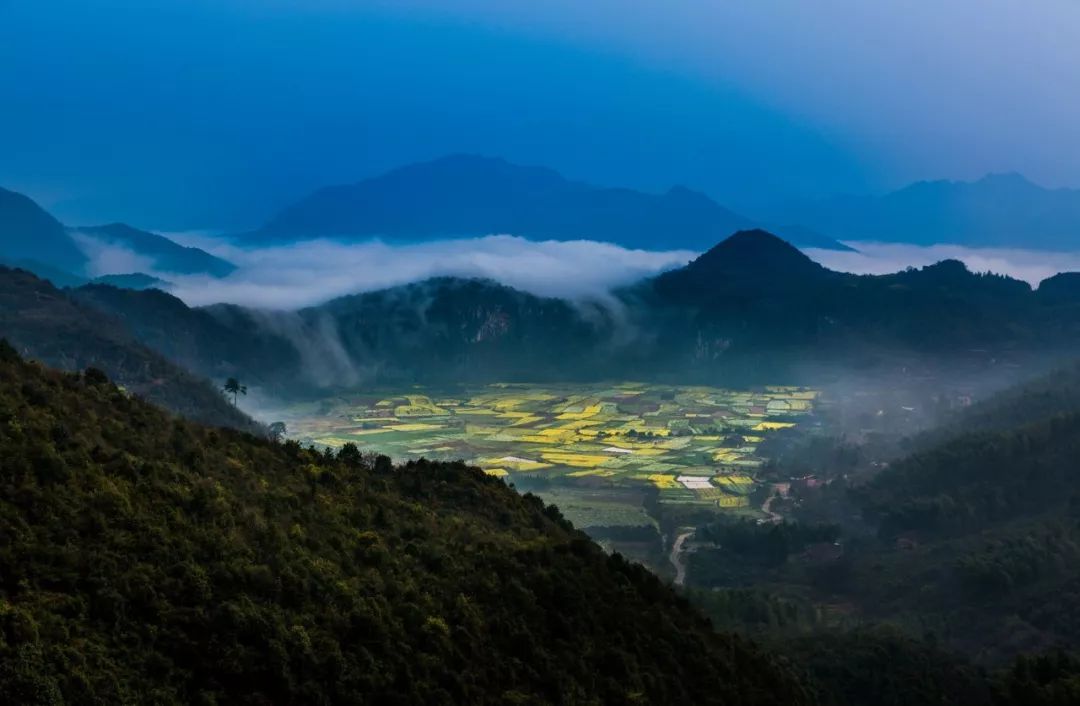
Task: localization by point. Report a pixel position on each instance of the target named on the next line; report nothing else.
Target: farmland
(589, 446)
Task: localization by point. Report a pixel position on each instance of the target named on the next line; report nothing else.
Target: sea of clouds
(1032, 266)
(311, 272)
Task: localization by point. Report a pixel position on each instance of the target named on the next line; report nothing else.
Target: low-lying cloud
(308, 273)
(105, 258)
(1032, 266)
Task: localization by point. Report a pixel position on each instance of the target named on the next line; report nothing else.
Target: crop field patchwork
(696, 445)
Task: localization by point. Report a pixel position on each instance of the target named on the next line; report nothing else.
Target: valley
(613, 457)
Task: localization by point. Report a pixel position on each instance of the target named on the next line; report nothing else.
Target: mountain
(151, 560)
(218, 342)
(750, 260)
(999, 210)
(753, 309)
(29, 233)
(46, 324)
(971, 540)
(1062, 288)
(33, 240)
(466, 196)
(981, 536)
(164, 254)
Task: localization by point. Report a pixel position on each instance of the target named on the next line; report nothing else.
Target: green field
(696, 445)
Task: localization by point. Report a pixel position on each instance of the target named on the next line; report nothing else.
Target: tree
(233, 387)
(278, 431)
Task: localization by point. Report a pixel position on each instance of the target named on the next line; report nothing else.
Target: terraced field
(695, 445)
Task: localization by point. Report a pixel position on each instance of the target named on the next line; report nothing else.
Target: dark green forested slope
(46, 324)
(974, 540)
(1057, 392)
(146, 559)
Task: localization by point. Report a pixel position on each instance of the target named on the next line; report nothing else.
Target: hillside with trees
(46, 324)
(147, 559)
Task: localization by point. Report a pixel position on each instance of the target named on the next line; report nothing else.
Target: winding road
(677, 558)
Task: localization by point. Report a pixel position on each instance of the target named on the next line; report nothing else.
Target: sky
(178, 114)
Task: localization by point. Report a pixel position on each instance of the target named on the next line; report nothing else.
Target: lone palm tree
(233, 387)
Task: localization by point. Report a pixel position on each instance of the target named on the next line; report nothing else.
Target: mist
(312, 272)
(1031, 266)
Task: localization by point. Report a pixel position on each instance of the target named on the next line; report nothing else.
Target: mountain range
(468, 196)
(752, 309)
(999, 210)
(34, 240)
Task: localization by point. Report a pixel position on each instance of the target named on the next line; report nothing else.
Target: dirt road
(677, 558)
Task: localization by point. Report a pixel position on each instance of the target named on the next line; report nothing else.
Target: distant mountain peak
(1007, 179)
(458, 169)
(1004, 209)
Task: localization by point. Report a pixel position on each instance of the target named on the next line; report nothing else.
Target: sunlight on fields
(692, 445)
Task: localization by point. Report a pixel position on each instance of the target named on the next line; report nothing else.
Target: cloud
(308, 273)
(108, 259)
(1032, 266)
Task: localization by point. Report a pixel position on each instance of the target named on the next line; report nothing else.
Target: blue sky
(199, 113)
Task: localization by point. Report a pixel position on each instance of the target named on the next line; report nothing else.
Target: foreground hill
(984, 539)
(467, 195)
(150, 560)
(972, 540)
(45, 323)
(999, 210)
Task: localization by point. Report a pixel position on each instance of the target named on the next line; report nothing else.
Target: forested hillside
(146, 559)
(44, 323)
(972, 539)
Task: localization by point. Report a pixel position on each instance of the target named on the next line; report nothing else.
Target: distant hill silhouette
(467, 196)
(29, 233)
(33, 240)
(999, 210)
(167, 256)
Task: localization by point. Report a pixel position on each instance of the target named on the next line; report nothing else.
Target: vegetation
(233, 387)
(45, 323)
(971, 541)
(146, 559)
